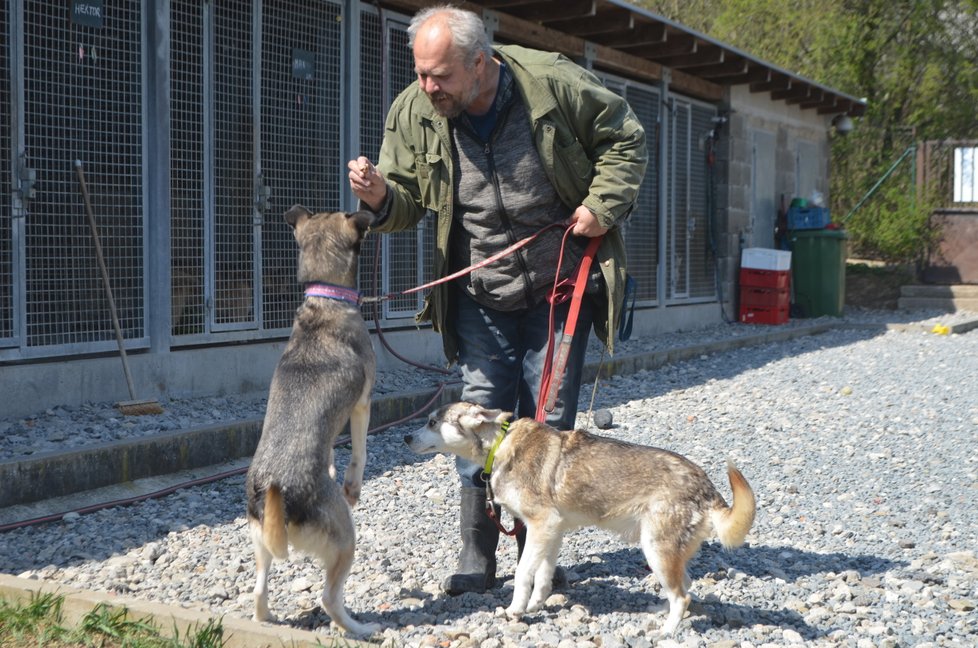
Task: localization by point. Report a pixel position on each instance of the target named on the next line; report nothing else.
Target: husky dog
(323, 380)
(560, 481)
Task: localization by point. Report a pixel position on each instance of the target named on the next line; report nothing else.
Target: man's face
(442, 74)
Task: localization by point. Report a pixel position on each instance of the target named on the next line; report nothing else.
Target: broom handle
(105, 277)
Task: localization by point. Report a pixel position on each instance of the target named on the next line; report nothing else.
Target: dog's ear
(362, 219)
(478, 415)
(296, 214)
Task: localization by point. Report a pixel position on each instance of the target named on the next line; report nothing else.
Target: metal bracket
(491, 20)
(590, 54)
(263, 194)
(25, 191)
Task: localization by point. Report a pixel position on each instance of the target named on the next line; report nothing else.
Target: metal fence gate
(641, 229)
(386, 68)
(691, 268)
(75, 94)
(263, 112)
(255, 127)
(7, 288)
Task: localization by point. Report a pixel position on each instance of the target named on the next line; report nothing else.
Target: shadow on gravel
(662, 379)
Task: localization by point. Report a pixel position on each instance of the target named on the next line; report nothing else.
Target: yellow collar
(495, 446)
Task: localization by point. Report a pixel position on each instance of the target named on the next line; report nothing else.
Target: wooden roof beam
(673, 45)
(702, 55)
(544, 11)
(717, 72)
(606, 23)
(641, 34)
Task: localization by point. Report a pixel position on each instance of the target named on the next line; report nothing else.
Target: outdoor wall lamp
(842, 124)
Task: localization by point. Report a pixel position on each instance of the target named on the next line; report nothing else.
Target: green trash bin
(818, 271)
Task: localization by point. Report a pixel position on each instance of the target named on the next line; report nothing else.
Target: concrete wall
(797, 134)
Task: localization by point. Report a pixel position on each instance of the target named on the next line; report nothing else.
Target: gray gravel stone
(860, 445)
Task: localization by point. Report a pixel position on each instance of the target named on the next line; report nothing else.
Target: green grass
(39, 623)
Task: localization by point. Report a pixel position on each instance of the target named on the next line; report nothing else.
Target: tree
(914, 61)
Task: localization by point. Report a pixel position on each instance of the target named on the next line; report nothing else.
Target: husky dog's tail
(273, 531)
(732, 523)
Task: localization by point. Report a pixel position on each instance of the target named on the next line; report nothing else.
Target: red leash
(553, 368)
(464, 271)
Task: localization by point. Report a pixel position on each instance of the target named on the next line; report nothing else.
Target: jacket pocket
(431, 170)
(572, 159)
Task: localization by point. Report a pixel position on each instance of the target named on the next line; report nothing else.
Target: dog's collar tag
(330, 291)
(503, 429)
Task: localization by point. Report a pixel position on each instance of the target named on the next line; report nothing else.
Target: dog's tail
(732, 523)
(273, 531)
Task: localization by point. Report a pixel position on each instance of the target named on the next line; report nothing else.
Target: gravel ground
(862, 448)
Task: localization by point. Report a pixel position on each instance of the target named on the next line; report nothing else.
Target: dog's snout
(408, 438)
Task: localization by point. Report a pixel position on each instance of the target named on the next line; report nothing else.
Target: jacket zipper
(504, 217)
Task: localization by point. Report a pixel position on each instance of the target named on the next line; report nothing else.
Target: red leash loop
(491, 512)
(553, 368)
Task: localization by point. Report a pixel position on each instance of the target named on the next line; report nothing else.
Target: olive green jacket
(591, 146)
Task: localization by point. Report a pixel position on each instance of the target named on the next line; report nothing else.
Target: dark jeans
(502, 355)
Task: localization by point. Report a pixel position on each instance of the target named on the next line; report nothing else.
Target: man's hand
(367, 182)
(585, 223)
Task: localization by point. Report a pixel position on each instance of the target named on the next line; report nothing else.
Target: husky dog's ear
(363, 219)
(478, 415)
(296, 215)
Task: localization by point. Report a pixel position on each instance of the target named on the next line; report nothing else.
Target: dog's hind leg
(337, 558)
(359, 422)
(263, 561)
(669, 565)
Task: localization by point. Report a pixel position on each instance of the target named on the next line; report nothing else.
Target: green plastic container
(818, 272)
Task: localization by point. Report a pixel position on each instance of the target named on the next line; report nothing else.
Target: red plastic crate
(765, 278)
(763, 315)
(754, 296)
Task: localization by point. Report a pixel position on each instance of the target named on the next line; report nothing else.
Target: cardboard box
(765, 259)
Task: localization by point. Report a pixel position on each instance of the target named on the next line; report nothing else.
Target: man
(499, 144)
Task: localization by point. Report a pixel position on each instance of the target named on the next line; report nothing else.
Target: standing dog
(323, 380)
(560, 481)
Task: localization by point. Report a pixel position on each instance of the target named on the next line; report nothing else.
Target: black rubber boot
(477, 559)
(559, 580)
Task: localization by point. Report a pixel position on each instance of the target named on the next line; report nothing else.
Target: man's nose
(427, 84)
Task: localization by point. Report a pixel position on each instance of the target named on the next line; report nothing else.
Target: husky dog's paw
(351, 491)
(515, 611)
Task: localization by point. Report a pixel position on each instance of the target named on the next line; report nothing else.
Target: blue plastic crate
(802, 218)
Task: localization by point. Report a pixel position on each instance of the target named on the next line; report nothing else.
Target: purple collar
(333, 292)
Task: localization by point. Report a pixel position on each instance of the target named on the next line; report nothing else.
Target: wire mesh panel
(386, 68)
(187, 166)
(83, 100)
(641, 231)
(6, 222)
(235, 225)
(702, 224)
(407, 263)
(372, 109)
(677, 245)
(300, 135)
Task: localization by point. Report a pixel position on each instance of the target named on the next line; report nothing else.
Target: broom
(132, 407)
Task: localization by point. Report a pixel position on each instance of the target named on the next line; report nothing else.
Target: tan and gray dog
(560, 481)
(323, 380)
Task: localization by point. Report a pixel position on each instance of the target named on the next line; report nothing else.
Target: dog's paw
(352, 493)
(515, 611)
(359, 630)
